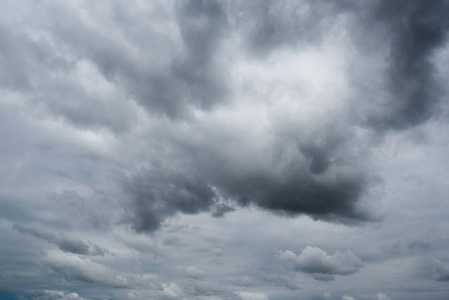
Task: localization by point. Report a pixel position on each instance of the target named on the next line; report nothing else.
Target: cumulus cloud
(300, 171)
(319, 264)
(347, 298)
(194, 82)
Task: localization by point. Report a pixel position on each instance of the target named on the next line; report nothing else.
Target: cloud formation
(440, 270)
(416, 30)
(319, 264)
(64, 243)
(165, 150)
(382, 296)
(74, 268)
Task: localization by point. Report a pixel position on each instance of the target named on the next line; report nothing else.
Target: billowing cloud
(321, 265)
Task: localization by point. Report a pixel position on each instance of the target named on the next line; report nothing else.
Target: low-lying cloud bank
(319, 264)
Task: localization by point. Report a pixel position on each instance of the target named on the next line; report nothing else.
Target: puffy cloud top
(319, 264)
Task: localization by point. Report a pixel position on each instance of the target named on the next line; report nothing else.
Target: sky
(224, 150)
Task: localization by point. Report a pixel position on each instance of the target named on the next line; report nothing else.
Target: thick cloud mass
(157, 195)
(321, 179)
(168, 149)
(417, 29)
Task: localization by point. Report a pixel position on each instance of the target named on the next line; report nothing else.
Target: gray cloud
(382, 296)
(279, 280)
(415, 30)
(64, 243)
(226, 129)
(74, 268)
(192, 272)
(187, 75)
(321, 265)
(51, 295)
(159, 194)
(440, 270)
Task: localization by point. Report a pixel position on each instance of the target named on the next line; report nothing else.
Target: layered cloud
(67, 244)
(74, 268)
(440, 270)
(319, 264)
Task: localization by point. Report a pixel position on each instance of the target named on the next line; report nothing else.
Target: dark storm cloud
(67, 244)
(321, 265)
(440, 270)
(157, 194)
(414, 30)
(330, 193)
(301, 193)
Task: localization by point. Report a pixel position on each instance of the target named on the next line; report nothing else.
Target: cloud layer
(321, 265)
(167, 150)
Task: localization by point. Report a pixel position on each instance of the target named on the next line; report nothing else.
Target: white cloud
(252, 296)
(382, 296)
(75, 268)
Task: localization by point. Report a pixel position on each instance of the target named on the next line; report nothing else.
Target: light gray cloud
(382, 296)
(192, 272)
(252, 296)
(321, 265)
(74, 268)
(53, 295)
(64, 243)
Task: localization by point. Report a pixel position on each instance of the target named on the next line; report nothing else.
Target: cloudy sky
(214, 150)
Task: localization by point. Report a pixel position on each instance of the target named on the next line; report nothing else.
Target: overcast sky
(214, 150)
